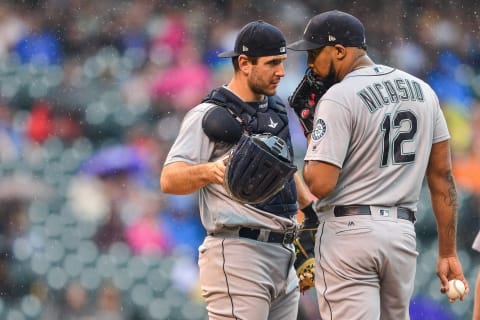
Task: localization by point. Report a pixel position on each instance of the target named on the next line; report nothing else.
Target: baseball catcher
(252, 197)
(305, 97)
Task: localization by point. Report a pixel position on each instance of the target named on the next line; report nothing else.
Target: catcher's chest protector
(257, 118)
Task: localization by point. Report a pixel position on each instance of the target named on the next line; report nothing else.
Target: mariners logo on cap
(319, 130)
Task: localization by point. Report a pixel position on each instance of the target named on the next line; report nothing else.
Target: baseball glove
(305, 251)
(304, 99)
(257, 168)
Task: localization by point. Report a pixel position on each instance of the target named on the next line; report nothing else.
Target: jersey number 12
(394, 143)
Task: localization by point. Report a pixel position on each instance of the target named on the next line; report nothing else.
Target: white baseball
(456, 289)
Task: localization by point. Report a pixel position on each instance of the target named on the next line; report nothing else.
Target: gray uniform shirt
(218, 211)
(378, 125)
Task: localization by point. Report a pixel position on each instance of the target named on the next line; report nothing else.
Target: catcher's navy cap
(258, 39)
(330, 28)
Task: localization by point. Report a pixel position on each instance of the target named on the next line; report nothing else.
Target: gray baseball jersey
(378, 126)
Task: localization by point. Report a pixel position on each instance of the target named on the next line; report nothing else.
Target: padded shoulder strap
(215, 97)
(275, 103)
(225, 98)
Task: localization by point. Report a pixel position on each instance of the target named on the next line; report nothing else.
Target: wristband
(309, 212)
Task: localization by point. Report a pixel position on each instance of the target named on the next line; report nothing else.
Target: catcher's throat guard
(258, 168)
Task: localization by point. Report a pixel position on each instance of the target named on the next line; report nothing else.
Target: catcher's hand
(305, 256)
(305, 97)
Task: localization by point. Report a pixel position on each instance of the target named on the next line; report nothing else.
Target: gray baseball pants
(365, 266)
(247, 279)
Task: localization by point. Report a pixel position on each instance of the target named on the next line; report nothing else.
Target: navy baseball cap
(258, 39)
(330, 28)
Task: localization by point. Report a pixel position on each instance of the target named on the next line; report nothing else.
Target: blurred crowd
(92, 94)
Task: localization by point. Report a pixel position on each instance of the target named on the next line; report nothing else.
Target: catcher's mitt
(305, 97)
(305, 251)
(258, 168)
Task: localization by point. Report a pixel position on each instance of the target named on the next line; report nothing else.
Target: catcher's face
(264, 76)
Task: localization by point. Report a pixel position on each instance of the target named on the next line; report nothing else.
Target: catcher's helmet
(258, 167)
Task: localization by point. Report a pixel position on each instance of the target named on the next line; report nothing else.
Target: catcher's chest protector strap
(265, 118)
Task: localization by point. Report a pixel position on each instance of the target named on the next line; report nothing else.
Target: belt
(274, 237)
(360, 210)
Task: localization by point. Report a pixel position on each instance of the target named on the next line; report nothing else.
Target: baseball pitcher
(374, 134)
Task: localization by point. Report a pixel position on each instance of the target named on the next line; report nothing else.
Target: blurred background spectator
(91, 97)
(73, 304)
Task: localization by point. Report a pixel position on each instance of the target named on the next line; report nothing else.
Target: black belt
(356, 210)
(275, 237)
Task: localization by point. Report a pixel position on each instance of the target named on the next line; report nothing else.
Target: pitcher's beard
(331, 78)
